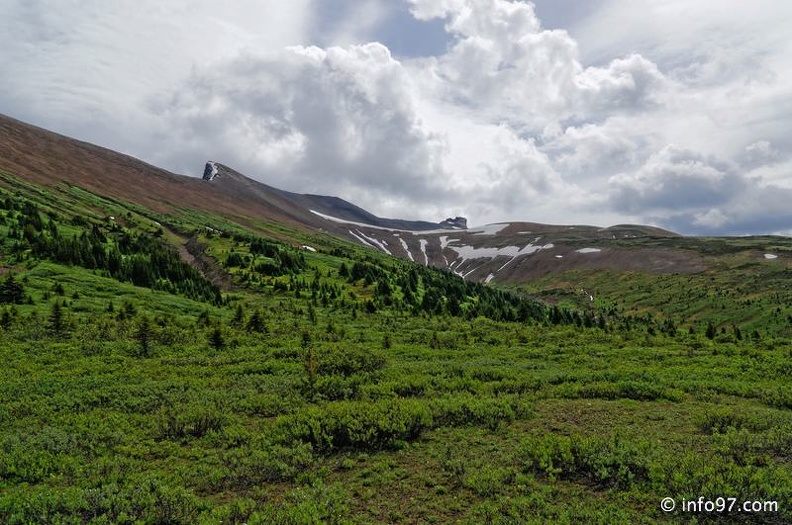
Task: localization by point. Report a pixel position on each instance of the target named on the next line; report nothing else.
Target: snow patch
(308, 248)
(406, 248)
(443, 243)
(365, 225)
(361, 239)
(559, 256)
(505, 265)
(469, 252)
(770, 256)
(470, 271)
(380, 244)
(353, 223)
(424, 243)
(588, 250)
(489, 278)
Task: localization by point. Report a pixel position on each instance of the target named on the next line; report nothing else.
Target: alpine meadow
(168, 362)
(362, 262)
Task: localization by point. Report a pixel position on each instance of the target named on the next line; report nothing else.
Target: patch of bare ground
(654, 260)
(194, 253)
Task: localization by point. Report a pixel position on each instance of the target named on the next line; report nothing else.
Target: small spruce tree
(56, 324)
(239, 317)
(711, 331)
(216, 339)
(144, 336)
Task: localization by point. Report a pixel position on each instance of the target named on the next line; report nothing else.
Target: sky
(665, 112)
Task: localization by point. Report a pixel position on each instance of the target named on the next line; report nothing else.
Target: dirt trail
(194, 253)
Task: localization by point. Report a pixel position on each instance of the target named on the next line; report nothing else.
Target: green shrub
(248, 467)
(780, 397)
(720, 420)
(349, 361)
(147, 500)
(637, 390)
(600, 462)
(316, 504)
(691, 476)
(183, 422)
(466, 409)
(358, 425)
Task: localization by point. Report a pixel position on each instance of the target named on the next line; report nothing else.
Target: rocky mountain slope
(507, 252)
(511, 253)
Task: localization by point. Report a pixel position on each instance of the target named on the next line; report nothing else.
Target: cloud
(668, 112)
(674, 179)
(690, 193)
(584, 153)
(311, 119)
(88, 68)
(504, 62)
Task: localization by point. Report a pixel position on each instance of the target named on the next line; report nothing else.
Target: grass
(330, 413)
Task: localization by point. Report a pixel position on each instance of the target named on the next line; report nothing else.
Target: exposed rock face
(459, 223)
(210, 171)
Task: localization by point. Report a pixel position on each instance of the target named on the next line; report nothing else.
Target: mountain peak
(457, 223)
(210, 171)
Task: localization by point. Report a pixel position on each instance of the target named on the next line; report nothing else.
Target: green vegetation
(341, 386)
(740, 295)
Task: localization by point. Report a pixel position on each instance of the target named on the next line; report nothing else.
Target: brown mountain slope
(49, 159)
(508, 253)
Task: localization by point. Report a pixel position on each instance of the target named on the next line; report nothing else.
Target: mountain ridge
(508, 253)
(331, 205)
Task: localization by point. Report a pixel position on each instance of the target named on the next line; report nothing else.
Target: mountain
(507, 252)
(319, 205)
(569, 264)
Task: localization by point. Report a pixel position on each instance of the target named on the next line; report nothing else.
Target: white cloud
(317, 120)
(87, 68)
(664, 111)
(504, 63)
(713, 219)
(584, 153)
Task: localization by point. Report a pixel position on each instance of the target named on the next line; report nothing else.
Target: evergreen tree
(239, 317)
(311, 314)
(256, 323)
(144, 336)
(5, 319)
(216, 339)
(56, 322)
(12, 291)
(711, 331)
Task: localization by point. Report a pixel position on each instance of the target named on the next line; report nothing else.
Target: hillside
(170, 356)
